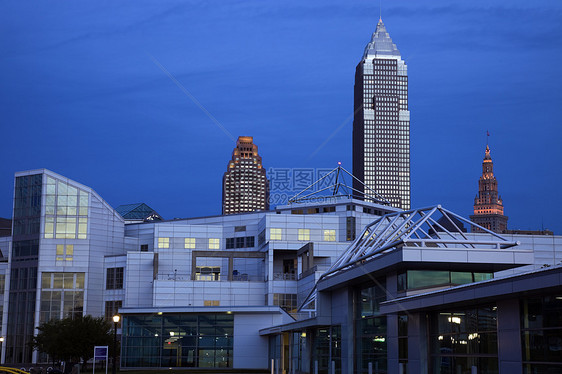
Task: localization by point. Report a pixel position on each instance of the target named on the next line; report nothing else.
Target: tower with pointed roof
(381, 124)
(245, 184)
(488, 204)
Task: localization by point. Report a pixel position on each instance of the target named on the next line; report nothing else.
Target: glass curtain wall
(326, 350)
(23, 272)
(464, 340)
(371, 329)
(178, 340)
(541, 334)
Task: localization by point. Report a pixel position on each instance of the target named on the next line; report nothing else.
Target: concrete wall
(251, 349)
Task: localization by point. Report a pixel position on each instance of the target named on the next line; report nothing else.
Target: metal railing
(284, 276)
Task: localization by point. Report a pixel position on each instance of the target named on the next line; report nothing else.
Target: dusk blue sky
(82, 94)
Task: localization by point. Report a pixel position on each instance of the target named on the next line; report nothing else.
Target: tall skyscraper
(381, 124)
(245, 184)
(488, 204)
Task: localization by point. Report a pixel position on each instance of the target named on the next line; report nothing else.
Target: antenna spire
(380, 10)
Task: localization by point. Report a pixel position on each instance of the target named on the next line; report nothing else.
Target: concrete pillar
(418, 349)
(509, 336)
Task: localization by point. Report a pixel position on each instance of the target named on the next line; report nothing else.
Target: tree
(73, 339)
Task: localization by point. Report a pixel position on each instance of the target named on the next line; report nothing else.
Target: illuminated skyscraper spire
(488, 204)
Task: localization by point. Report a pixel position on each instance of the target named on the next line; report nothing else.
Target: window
(189, 243)
(112, 308)
(274, 234)
(208, 273)
(541, 328)
(249, 241)
(465, 339)
(229, 243)
(62, 295)
(240, 242)
(65, 252)
(163, 242)
(330, 235)
(114, 279)
(350, 228)
(144, 247)
(66, 211)
(304, 234)
(211, 303)
(239, 228)
(214, 243)
(287, 301)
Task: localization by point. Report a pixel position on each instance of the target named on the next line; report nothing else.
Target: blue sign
(101, 352)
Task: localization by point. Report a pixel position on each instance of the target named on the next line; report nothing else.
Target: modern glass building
(381, 124)
(409, 296)
(62, 231)
(72, 254)
(337, 286)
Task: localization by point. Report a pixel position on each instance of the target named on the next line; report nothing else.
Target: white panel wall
(251, 349)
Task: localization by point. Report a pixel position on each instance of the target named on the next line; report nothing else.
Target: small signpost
(101, 352)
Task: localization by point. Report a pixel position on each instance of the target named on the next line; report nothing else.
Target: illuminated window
(163, 242)
(274, 234)
(211, 303)
(304, 234)
(189, 243)
(66, 210)
(214, 243)
(330, 235)
(65, 252)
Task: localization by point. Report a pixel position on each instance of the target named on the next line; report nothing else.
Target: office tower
(381, 125)
(488, 205)
(245, 184)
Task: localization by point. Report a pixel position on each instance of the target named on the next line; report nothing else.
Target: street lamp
(1, 343)
(116, 319)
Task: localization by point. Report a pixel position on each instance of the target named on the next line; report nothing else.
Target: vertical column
(392, 326)
(418, 350)
(509, 336)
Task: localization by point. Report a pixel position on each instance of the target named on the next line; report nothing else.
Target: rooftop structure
(418, 235)
(139, 212)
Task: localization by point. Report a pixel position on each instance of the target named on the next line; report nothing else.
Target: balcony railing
(284, 276)
(211, 277)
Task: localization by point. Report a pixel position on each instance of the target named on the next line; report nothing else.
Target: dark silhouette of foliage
(73, 339)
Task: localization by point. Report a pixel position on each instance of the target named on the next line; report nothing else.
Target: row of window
(189, 243)
(240, 242)
(303, 234)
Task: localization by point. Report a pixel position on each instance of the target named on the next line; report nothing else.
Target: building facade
(187, 281)
(409, 298)
(381, 124)
(488, 204)
(314, 287)
(245, 184)
(62, 231)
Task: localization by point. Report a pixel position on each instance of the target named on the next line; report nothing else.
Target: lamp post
(116, 319)
(1, 344)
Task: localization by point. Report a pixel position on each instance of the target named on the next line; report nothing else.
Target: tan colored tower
(488, 204)
(245, 185)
